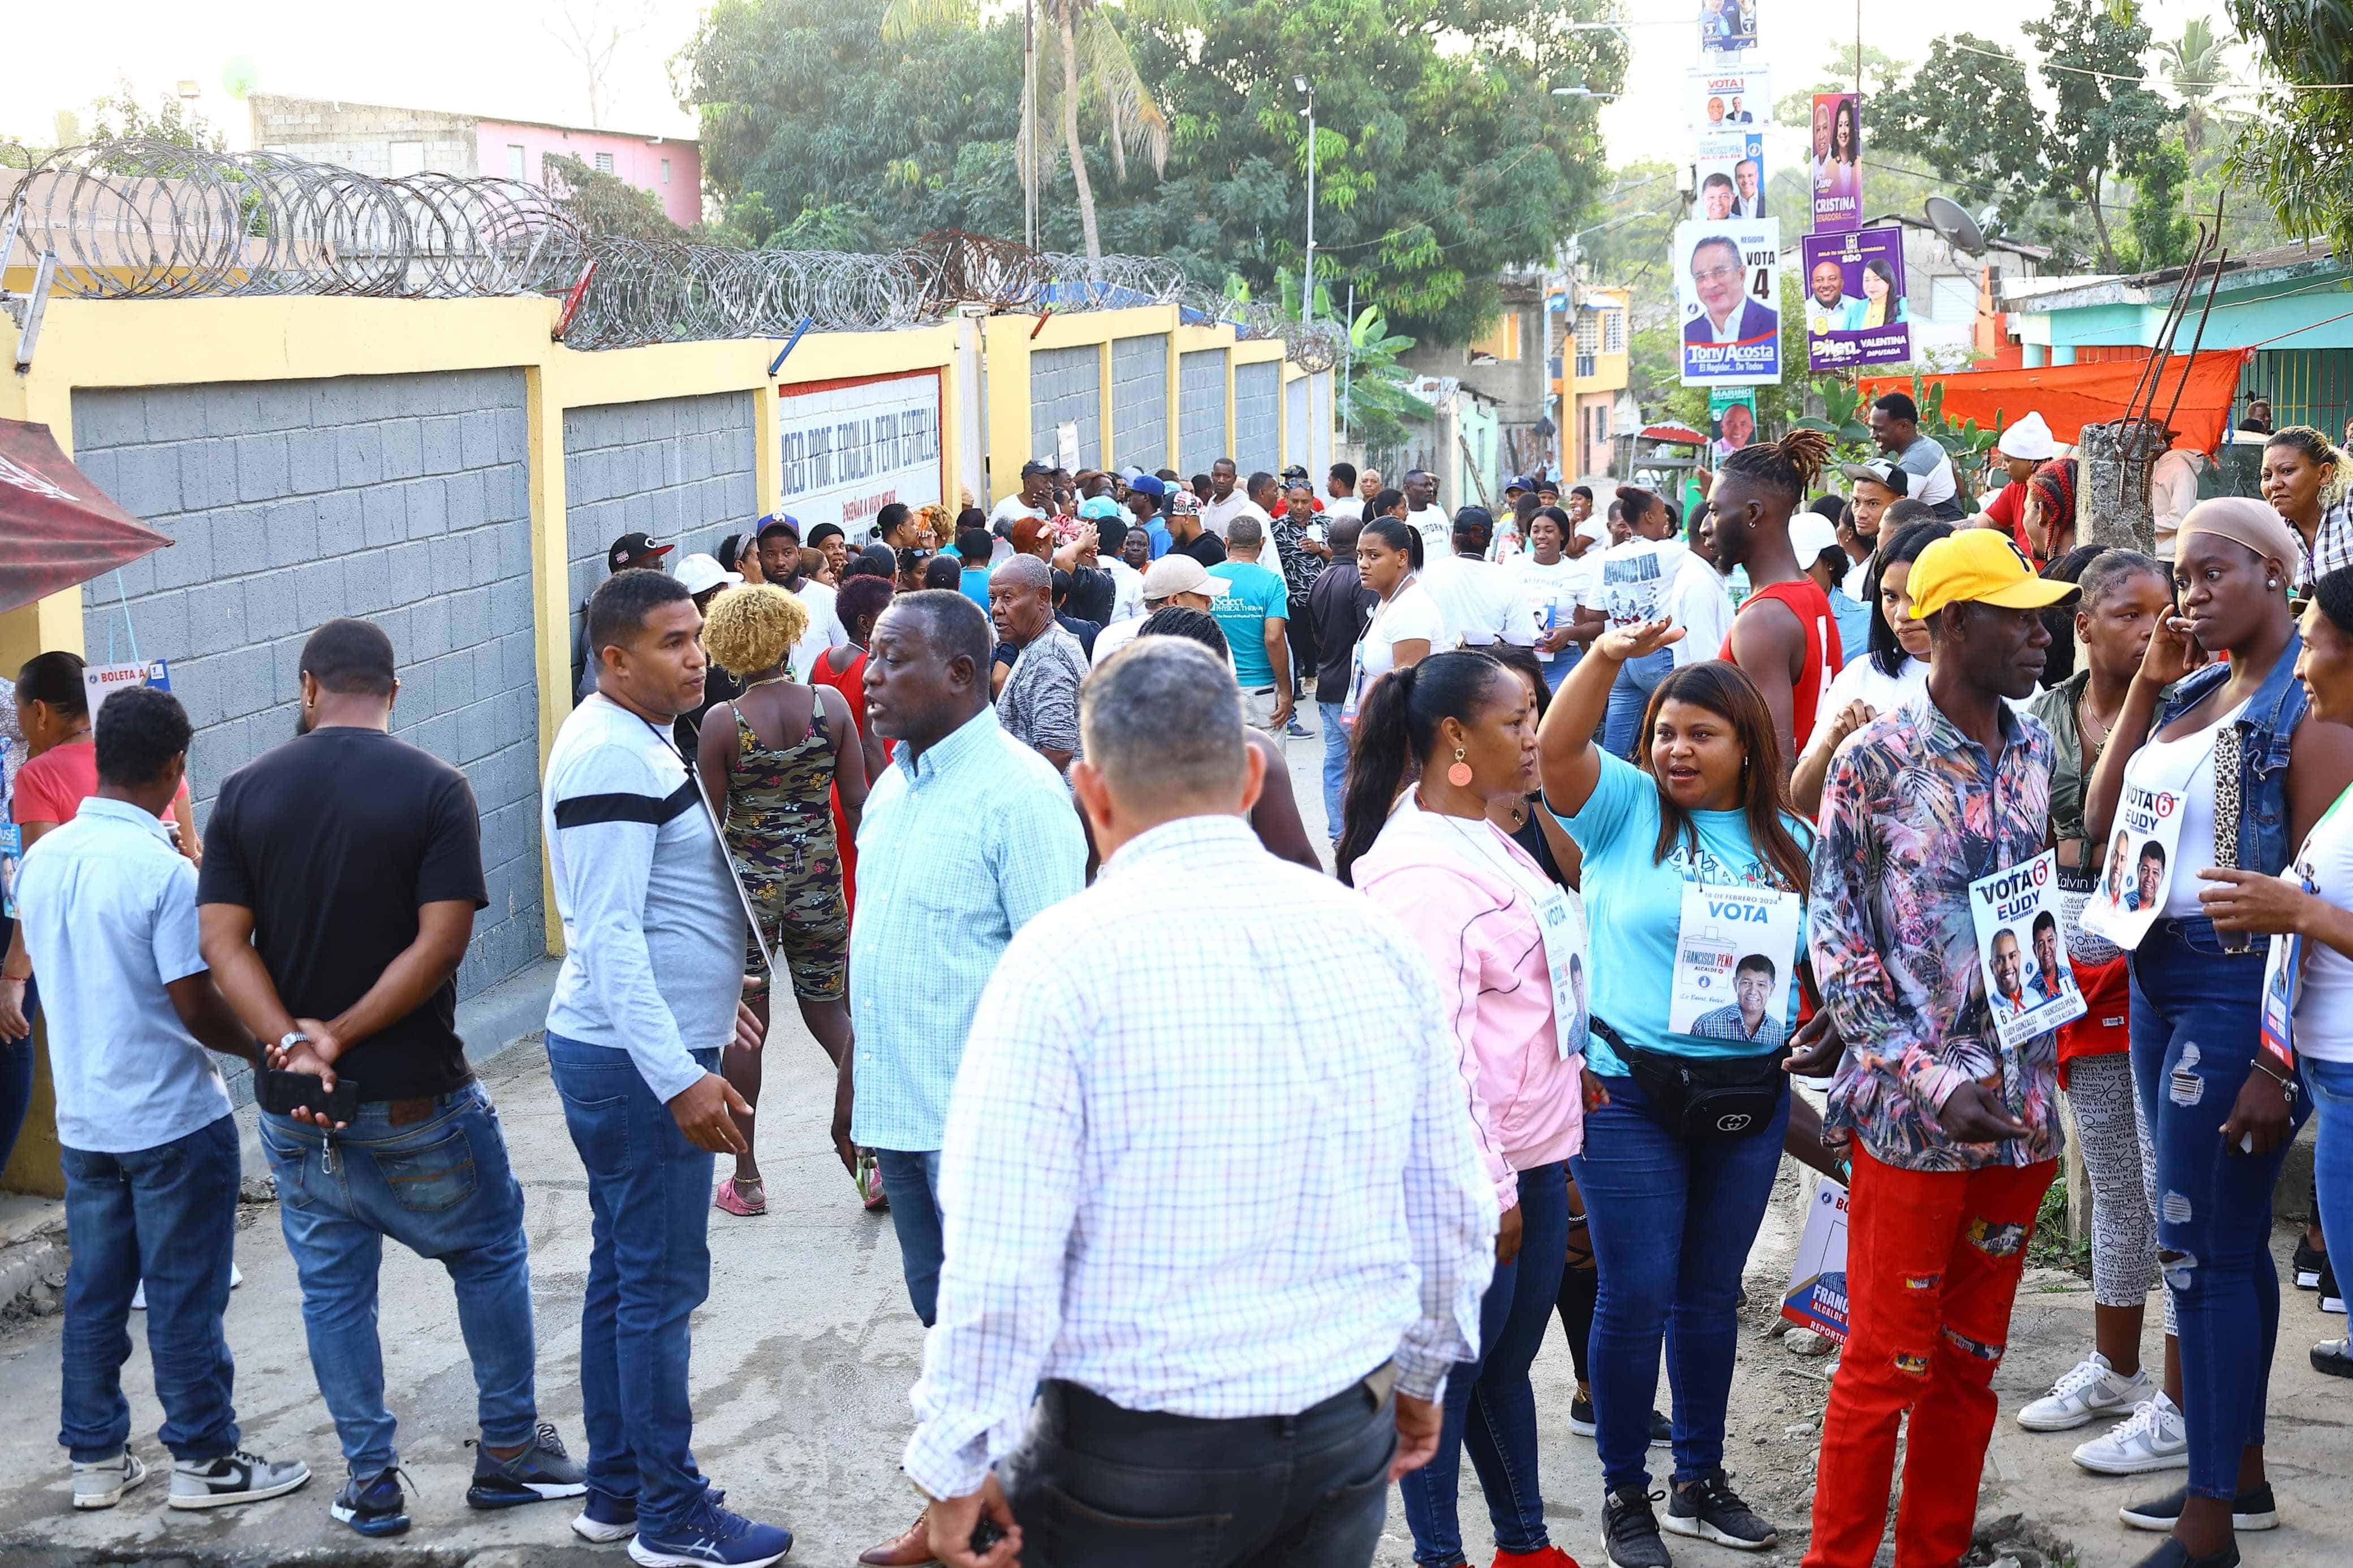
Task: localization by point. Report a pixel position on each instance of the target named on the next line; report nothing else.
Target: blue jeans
(1672, 1219)
(1335, 767)
(440, 1186)
(1557, 669)
(167, 1214)
(648, 1269)
(2195, 1016)
(1490, 1406)
(1629, 696)
(2329, 1085)
(912, 1180)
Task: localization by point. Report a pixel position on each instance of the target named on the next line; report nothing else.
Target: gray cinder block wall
(1258, 412)
(1139, 403)
(1066, 387)
(1200, 410)
(680, 468)
(400, 498)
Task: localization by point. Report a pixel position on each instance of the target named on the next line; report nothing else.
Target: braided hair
(1787, 467)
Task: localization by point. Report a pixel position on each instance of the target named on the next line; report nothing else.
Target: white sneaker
(2155, 1439)
(138, 1297)
(2093, 1389)
(102, 1482)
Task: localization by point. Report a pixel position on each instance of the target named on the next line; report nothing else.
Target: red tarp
(57, 531)
(2069, 396)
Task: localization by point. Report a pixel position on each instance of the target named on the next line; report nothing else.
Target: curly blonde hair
(752, 626)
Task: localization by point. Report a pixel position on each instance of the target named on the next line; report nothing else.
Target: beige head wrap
(2244, 521)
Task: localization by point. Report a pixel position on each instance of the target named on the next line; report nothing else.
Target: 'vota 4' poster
(1729, 295)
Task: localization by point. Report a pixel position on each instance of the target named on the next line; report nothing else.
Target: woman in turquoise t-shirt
(1675, 1186)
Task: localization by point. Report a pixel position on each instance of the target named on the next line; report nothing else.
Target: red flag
(57, 531)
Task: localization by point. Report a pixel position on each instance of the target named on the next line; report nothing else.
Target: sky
(498, 57)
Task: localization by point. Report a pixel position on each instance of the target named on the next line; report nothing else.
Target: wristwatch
(292, 1038)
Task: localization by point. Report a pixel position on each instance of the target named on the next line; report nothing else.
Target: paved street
(803, 1354)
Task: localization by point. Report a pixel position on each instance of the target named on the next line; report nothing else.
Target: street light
(1307, 275)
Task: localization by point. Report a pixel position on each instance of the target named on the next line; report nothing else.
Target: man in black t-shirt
(341, 873)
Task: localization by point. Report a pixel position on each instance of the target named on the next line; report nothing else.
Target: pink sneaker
(728, 1199)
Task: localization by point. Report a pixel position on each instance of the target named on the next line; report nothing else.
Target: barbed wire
(152, 219)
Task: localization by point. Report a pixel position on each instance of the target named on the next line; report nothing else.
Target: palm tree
(1096, 66)
(2198, 62)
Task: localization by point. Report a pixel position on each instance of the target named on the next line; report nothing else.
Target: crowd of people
(1215, 1243)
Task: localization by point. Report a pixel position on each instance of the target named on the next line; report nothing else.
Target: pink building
(378, 140)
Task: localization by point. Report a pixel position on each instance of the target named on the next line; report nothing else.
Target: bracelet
(2288, 1085)
(19, 979)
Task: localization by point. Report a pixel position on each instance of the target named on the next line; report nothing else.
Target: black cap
(634, 550)
(823, 532)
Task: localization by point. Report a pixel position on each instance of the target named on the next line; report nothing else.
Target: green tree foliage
(2196, 64)
(122, 116)
(1968, 114)
(2291, 152)
(1442, 157)
(1378, 407)
(2162, 232)
(2103, 123)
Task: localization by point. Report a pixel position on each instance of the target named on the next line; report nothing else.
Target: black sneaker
(2308, 1259)
(1663, 1431)
(2171, 1554)
(542, 1471)
(2332, 1299)
(1581, 1422)
(2251, 1510)
(1630, 1530)
(1710, 1510)
(372, 1505)
(2334, 1357)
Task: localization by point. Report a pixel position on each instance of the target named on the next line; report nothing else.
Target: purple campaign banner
(1855, 306)
(1835, 162)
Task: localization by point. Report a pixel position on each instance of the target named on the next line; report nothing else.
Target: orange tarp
(2069, 396)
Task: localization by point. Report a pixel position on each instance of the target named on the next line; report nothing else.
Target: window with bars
(1613, 332)
(604, 163)
(1589, 333)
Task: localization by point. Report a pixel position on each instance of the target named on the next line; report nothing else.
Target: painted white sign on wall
(851, 450)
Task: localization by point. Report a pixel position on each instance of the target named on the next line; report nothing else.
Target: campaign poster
(1729, 99)
(1836, 162)
(1727, 24)
(1735, 952)
(1729, 294)
(1816, 1298)
(100, 681)
(2030, 987)
(2138, 867)
(1561, 915)
(1730, 167)
(1855, 311)
(1731, 419)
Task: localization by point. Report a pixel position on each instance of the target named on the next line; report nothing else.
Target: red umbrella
(57, 531)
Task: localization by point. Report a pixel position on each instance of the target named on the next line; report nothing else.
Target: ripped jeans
(1933, 1261)
(2194, 1022)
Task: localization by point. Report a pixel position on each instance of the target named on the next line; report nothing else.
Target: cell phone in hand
(284, 1093)
(985, 1533)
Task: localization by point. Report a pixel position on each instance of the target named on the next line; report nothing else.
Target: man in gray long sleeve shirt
(650, 990)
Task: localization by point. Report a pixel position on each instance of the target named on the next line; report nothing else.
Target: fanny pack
(1704, 1097)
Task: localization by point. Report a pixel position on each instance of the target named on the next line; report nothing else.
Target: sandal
(869, 1183)
(730, 1199)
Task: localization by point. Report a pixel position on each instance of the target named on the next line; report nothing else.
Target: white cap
(1810, 533)
(700, 573)
(2027, 440)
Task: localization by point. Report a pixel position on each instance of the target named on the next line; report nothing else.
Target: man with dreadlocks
(1784, 637)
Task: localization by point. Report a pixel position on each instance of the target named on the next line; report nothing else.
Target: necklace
(2085, 715)
(768, 680)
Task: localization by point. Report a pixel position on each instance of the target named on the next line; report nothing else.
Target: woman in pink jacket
(1502, 939)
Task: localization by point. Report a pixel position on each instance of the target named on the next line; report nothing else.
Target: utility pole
(1307, 274)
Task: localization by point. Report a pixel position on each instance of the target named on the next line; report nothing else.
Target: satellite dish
(1960, 230)
(240, 77)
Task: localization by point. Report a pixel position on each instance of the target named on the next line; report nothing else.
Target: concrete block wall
(1139, 402)
(680, 468)
(1065, 387)
(400, 498)
(1258, 411)
(1200, 410)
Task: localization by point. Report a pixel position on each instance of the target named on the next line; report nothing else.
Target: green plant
(1375, 405)
(1846, 417)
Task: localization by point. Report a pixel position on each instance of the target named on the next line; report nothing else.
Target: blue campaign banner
(1855, 310)
(1729, 295)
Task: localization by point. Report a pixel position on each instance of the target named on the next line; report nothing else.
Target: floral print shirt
(1301, 566)
(1913, 812)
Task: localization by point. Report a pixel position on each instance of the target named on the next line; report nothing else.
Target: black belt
(1079, 1413)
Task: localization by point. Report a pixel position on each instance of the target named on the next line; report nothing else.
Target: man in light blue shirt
(149, 1145)
(1253, 610)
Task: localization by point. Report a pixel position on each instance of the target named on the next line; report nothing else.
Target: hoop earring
(1459, 775)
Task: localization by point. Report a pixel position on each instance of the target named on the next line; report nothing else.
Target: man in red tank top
(1783, 637)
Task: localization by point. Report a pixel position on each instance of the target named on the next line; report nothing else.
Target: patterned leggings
(2121, 1165)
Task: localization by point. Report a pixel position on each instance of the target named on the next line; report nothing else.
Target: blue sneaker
(542, 1471)
(710, 1536)
(374, 1506)
(605, 1519)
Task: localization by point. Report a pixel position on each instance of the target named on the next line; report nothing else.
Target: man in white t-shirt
(1476, 596)
(1228, 499)
(780, 551)
(1035, 498)
(1340, 497)
(1422, 511)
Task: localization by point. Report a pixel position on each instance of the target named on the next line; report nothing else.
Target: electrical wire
(2145, 80)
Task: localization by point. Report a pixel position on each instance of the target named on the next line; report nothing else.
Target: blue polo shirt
(1247, 595)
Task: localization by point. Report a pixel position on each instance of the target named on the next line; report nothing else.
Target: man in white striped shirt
(1229, 1229)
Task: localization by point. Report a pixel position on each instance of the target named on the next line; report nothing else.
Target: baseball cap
(632, 548)
(1886, 475)
(2028, 441)
(1810, 533)
(1145, 484)
(1101, 508)
(698, 573)
(1984, 567)
(776, 521)
(1173, 574)
(1519, 482)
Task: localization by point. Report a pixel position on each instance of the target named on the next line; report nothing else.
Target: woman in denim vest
(2220, 1116)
